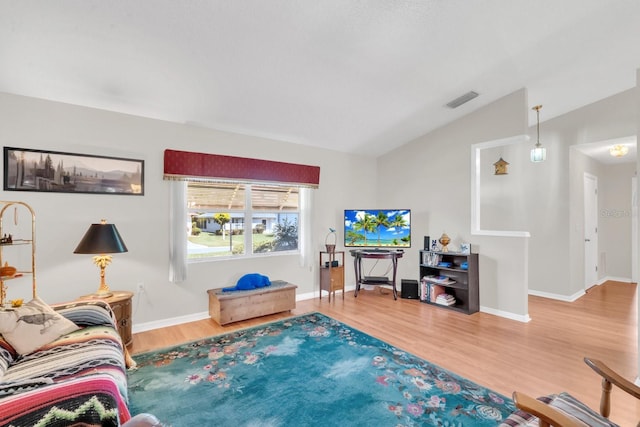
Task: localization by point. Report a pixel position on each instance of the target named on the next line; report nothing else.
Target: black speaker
(409, 289)
(427, 242)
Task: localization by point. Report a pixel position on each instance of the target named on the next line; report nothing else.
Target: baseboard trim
(506, 314)
(171, 321)
(572, 298)
(569, 298)
(615, 279)
(194, 317)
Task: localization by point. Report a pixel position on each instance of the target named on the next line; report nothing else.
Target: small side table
(120, 303)
(332, 273)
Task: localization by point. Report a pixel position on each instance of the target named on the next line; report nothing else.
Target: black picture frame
(27, 169)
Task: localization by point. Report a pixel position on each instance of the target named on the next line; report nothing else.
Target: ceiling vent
(462, 99)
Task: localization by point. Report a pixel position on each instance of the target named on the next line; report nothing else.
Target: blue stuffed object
(248, 282)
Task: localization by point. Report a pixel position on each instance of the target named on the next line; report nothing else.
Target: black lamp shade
(101, 239)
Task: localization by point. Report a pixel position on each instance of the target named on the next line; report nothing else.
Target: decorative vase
(331, 247)
(444, 241)
(7, 271)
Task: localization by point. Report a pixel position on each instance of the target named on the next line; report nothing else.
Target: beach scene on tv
(383, 228)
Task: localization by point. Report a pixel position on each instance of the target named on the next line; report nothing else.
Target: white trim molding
(506, 314)
(559, 297)
(194, 317)
(475, 186)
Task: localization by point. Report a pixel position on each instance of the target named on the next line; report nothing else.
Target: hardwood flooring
(540, 357)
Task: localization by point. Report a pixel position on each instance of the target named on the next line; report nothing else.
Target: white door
(590, 230)
(634, 229)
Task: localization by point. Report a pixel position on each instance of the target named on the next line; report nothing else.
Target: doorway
(590, 230)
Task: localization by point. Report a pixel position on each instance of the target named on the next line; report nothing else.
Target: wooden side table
(120, 303)
(332, 273)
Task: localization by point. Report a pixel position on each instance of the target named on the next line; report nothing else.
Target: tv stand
(375, 279)
(391, 254)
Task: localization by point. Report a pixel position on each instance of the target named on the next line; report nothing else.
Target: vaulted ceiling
(348, 75)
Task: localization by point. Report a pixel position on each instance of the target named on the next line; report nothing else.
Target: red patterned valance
(185, 165)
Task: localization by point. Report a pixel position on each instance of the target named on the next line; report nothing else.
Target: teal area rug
(309, 370)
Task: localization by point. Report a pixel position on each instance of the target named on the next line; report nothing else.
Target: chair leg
(605, 399)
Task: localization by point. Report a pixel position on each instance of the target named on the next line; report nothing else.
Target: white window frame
(249, 213)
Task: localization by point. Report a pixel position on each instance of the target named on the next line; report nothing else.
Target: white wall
(610, 118)
(432, 173)
(614, 222)
(62, 219)
(581, 164)
(501, 206)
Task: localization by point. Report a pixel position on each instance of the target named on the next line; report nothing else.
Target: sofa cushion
(87, 313)
(79, 378)
(14, 387)
(7, 356)
(571, 406)
(34, 324)
(520, 418)
(87, 351)
(564, 403)
(91, 400)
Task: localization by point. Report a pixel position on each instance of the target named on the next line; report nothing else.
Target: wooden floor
(540, 357)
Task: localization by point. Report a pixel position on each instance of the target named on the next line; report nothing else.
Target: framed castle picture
(53, 171)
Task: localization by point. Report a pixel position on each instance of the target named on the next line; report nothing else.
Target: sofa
(63, 365)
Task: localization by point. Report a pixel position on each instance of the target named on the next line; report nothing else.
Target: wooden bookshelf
(461, 283)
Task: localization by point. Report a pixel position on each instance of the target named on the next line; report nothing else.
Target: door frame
(634, 229)
(590, 209)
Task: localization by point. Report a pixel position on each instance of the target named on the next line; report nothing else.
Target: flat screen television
(377, 228)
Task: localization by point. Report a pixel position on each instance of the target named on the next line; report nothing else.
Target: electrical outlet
(141, 288)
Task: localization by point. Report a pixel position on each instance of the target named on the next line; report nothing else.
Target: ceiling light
(619, 150)
(538, 153)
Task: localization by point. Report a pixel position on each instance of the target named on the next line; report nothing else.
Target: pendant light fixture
(538, 153)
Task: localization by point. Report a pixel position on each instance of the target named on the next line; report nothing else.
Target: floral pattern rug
(309, 370)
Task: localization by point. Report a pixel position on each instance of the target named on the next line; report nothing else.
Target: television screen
(378, 228)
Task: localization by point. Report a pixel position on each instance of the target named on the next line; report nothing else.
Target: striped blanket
(78, 379)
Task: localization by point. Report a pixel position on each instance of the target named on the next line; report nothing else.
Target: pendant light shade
(538, 153)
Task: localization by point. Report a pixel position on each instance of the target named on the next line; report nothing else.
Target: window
(235, 220)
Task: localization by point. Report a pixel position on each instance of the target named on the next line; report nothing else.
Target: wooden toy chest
(228, 307)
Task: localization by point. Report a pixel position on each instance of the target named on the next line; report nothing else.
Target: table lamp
(101, 239)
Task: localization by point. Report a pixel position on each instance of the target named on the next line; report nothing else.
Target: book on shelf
(434, 291)
(424, 290)
(445, 299)
(441, 280)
